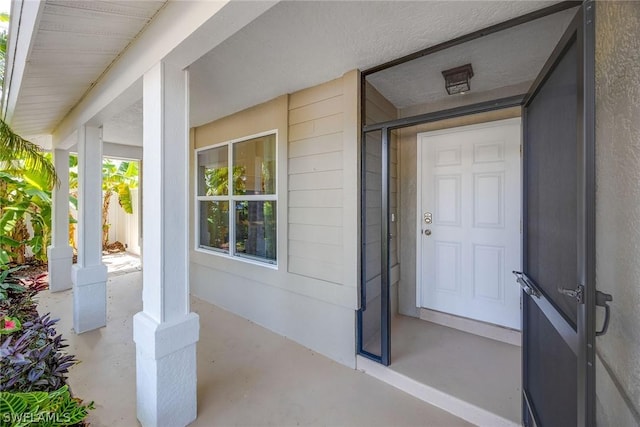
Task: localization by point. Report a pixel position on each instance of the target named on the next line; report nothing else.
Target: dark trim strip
(587, 217)
(385, 282)
(370, 356)
(363, 222)
(541, 13)
(481, 107)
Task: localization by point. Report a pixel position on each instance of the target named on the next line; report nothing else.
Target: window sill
(237, 258)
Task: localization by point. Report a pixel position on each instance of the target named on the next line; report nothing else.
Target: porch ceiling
(74, 43)
(294, 45)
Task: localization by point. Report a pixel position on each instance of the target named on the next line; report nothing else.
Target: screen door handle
(601, 301)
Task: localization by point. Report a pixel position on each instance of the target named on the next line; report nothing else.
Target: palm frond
(14, 148)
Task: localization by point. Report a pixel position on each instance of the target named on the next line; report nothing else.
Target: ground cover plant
(33, 361)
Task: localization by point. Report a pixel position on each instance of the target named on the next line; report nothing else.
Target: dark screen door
(558, 246)
(374, 314)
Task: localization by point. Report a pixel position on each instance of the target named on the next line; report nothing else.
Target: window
(237, 198)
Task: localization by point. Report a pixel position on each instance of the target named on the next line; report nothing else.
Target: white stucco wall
(618, 209)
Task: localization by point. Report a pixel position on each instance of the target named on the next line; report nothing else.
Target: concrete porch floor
(247, 375)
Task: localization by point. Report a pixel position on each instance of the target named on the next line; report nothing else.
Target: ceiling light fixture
(457, 79)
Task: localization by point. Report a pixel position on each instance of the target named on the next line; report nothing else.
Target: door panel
(470, 184)
(558, 327)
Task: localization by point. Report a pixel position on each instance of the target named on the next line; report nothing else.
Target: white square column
(165, 332)
(60, 254)
(89, 275)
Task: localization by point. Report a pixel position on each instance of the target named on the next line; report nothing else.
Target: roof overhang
(77, 62)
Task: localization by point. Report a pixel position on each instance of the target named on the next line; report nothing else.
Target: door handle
(427, 232)
(601, 301)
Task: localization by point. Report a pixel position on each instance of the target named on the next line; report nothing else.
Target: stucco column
(165, 332)
(89, 275)
(59, 253)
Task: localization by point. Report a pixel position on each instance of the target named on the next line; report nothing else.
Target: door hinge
(521, 150)
(577, 293)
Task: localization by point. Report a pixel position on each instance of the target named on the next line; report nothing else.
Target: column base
(89, 297)
(166, 370)
(60, 260)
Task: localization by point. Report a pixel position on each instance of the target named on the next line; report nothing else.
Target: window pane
(214, 225)
(213, 170)
(254, 166)
(256, 229)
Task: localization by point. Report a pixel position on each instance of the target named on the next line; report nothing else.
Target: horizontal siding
(375, 114)
(314, 269)
(316, 180)
(379, 109)
(315, 199)
(315, 94)
(315, 111)
(375, 99)
(316, 234)
(318, 216)
(315, 145)
(322, 126)
(321, 252)
(316, 163)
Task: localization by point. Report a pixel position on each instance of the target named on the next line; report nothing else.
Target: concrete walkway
(122, 263)
(247, 375)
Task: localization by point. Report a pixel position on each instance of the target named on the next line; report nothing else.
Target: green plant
(117, 178)
(15, 299)
(24, 197)
(17, 154)
(56, 408)
(8, 284)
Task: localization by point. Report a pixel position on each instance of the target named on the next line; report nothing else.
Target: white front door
(469, 213)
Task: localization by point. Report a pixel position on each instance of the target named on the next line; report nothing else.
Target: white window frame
(232, 199)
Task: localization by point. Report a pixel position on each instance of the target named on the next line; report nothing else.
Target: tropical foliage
(26, 175)
(4, 18)
(117, 178)
(33, 364)
(9, 284)
(56, 408)
(24, 196)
